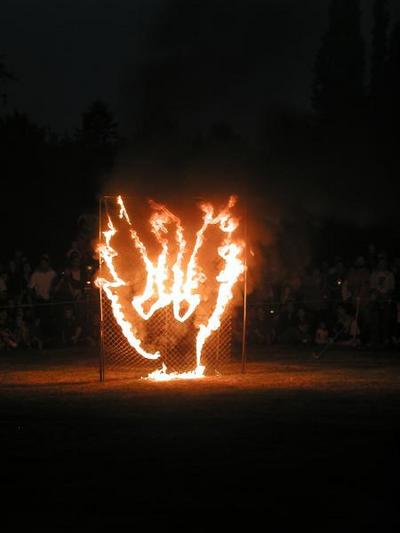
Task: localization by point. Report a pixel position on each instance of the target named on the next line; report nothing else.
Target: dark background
(292, 105)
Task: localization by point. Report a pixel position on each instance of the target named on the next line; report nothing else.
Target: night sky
(231, 58)
(245, 64)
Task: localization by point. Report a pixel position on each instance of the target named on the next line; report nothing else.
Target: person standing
(42, 280)
(41, 286)
(383, 285)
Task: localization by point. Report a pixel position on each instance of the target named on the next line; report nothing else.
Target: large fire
(175, 277)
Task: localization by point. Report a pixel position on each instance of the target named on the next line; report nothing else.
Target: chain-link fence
(356, 323)
(176, 341)
(50, 324)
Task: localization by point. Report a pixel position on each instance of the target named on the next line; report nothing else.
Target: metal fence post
(244, 350)
(101, 351)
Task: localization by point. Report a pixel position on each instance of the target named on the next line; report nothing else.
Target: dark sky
(208, 59)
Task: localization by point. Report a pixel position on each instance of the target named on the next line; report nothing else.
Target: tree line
(343, 151)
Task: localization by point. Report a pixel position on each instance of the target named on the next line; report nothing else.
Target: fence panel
(175, 341)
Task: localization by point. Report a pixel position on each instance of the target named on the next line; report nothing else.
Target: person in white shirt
(42, 280)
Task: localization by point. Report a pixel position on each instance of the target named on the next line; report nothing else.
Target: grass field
(294, 443)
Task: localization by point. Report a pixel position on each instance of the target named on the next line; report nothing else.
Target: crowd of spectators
(355, 304)
(41, 306)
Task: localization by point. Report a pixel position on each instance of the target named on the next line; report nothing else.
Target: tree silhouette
(96, 144)
(98, 126)
(393, 74)
(338, 87)
(5, 76)
(379, 54)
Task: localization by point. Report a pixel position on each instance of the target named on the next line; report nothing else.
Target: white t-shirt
(41, 283)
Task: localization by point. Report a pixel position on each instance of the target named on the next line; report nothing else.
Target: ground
(294, 442)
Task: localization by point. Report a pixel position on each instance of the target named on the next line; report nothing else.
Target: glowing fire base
(163, 375)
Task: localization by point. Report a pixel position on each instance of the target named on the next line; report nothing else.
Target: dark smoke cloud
(217, 60)
(239, 63)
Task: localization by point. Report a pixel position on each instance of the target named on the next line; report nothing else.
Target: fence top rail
(51, 303)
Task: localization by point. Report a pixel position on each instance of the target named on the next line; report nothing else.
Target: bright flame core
(178, 285)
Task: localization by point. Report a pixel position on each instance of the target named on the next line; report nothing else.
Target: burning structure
(181, 284)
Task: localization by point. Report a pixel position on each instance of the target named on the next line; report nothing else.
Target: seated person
(322, 334)
(71, 330)
(7, 337)
(303, 327)
(28, 328)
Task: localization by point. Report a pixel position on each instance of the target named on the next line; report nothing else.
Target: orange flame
(185, 289)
